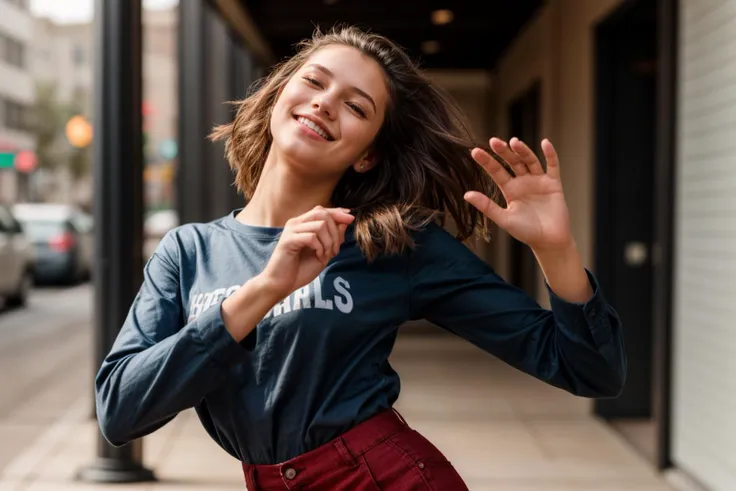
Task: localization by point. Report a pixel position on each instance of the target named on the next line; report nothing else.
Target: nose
(324, 104)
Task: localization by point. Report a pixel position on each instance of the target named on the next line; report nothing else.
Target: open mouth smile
(314, 126)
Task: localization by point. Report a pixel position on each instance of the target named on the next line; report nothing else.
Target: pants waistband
(341, 451)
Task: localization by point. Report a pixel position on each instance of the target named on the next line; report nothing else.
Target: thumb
(487, 206)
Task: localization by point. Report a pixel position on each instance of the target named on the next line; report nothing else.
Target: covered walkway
(503, 431)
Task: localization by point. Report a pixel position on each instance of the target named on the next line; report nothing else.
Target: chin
(297, 154)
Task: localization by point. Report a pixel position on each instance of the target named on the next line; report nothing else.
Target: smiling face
(330, 111)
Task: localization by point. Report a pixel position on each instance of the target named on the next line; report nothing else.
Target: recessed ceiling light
(430, 47)
(442, 16)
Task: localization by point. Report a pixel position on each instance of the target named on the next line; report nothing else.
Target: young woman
(276, 321)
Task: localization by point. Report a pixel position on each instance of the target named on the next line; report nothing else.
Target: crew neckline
(248, 229)
(265, 232)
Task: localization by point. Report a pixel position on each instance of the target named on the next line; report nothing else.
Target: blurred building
(62, 57)
(16, 90)
(62, 71)
(161, 109)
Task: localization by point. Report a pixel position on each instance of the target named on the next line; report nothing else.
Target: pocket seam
(367, 468)
(435, 461)
(414, 463)
(401, 451)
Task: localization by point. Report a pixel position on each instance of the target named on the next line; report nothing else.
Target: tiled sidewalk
(503, 431)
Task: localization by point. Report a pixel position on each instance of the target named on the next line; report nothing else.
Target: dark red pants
(381, 454)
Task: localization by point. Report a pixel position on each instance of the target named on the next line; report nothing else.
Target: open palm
(536, 212)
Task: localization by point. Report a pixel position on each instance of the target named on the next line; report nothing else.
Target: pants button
(290, 473)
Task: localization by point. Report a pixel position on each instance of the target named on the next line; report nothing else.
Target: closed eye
(357, 109)
(313, 81)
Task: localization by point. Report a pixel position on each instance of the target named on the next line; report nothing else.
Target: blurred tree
(79, 162)
(55, 154)
(46, 125)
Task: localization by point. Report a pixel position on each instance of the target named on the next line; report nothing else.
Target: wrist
(564, 272)
(565, 252)
(266, 288)
(244, 309)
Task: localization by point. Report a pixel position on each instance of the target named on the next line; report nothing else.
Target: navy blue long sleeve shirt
(317, 364)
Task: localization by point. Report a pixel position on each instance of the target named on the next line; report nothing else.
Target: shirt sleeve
(578, 347)
(158, 366)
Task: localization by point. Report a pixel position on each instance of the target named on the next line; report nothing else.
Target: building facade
(62, 58)
(16, 87)
(62, 72)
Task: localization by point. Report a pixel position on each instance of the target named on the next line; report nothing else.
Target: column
(118, 203)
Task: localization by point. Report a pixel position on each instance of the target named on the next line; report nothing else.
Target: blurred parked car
(62, 236)
(16, 260)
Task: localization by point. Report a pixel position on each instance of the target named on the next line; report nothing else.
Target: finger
(505, 152)
(334, 233)
(553, 163)
(329, 219)
(319, 213)
(498, 172)
(527, 156)
(341, 215)
(321, 230)
(310, 240)
(487, 206)
(325, 237)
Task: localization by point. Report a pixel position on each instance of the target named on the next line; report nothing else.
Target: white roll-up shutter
(704, 375)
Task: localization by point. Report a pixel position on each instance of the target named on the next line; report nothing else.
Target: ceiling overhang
(474, 38)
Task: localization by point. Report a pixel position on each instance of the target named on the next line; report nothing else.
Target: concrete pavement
(503, 431)
(45, 363)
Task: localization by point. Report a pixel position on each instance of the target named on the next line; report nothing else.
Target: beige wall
(471, 90)
(556, 48)
(704, 339)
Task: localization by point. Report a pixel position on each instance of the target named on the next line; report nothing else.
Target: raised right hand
(307, 244)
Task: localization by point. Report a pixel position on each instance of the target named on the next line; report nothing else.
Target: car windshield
(43, 230)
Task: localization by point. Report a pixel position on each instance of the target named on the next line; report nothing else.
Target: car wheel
(20, 297)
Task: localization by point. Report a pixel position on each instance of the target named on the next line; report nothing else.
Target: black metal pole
(118, 203)
(242, 75)
(218, 68)
(192, 200)
(667, 34)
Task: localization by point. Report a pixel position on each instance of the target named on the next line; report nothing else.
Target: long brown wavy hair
(424, 165)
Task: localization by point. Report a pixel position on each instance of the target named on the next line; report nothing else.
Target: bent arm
(158, 365)
(575, 346)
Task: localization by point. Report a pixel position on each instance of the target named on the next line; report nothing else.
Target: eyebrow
(360, 92)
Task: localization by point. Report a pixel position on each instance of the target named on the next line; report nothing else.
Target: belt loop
(344, 453)
(250, 478)
(401, 418)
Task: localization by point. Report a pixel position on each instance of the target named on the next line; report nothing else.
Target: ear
(366, 162)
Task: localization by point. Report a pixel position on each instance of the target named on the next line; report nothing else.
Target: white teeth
(315, 127)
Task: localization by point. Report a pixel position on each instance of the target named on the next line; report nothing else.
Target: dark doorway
(524, 116)
(635, 54)
(625, 195)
